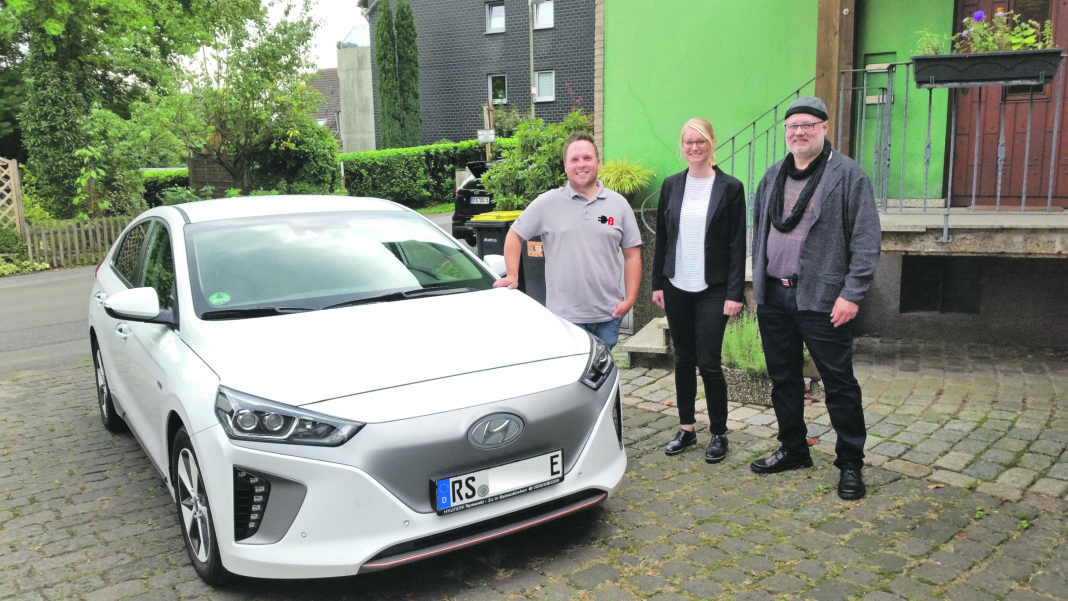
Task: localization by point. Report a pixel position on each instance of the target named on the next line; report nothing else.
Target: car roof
(250, 206)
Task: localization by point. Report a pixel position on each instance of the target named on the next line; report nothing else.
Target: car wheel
(108, 415)
(194, 513)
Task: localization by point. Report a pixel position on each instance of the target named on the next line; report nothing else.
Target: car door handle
(123, 330)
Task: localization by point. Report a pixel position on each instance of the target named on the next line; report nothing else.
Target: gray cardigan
(839, 255)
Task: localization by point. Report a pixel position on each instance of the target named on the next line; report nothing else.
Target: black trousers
(783, 329)
(697, 323)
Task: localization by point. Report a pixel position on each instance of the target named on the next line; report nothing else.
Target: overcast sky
(338, 17)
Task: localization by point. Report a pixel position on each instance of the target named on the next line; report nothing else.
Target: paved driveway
(967, 474)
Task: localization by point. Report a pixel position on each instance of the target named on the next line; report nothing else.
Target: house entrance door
(1025, 172)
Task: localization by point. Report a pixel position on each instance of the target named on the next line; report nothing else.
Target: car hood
(309, 357)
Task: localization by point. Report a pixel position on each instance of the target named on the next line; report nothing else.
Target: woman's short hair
(703, 127)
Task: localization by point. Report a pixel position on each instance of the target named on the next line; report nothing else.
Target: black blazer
(724, 233)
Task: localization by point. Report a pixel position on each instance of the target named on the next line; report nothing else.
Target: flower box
(986, 69)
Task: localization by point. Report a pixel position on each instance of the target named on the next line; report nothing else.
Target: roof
(249, 206)
(329, 86)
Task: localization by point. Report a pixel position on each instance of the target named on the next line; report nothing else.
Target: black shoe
(781, 461)
(716, 450)
(851, 485)
(683, 439)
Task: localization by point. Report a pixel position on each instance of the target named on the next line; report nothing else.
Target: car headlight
(600, 364)
(245, 417)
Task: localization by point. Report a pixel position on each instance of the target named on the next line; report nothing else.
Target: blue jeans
(783, 330)
(608, 331)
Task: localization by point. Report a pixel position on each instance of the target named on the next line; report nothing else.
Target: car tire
(108, 415)
(194, 513)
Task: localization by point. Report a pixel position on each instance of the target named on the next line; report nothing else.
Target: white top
(690, 246)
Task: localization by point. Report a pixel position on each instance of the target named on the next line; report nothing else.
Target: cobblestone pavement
(968, 500)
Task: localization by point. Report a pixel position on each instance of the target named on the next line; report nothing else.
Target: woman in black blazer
(699, 279)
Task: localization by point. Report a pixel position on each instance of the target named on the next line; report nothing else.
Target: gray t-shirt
(784, 249)
(581, 239)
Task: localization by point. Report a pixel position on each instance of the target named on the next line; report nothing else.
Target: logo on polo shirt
(608, 220)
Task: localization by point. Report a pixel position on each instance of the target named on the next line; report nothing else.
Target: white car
(331, 386)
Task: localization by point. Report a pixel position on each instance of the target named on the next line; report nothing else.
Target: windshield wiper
(246, 312)
(431, 290)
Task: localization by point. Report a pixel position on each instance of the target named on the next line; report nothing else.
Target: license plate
(497, 483)
(480, 200)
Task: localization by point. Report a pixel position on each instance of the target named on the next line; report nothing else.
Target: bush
(11, 243)
(21, 266)
(306, 161)
(626, 177)
(535, 164)
(156, 181)
(415, 177)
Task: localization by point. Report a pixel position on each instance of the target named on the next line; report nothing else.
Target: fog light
(251, 494)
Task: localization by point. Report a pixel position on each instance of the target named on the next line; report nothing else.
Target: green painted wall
(887, 31)
(725, 60)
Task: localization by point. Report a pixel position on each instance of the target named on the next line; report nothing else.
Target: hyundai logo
(495, 430)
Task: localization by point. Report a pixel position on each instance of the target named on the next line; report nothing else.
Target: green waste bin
(490, 231)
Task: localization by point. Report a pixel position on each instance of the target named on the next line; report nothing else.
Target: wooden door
(1020, 165)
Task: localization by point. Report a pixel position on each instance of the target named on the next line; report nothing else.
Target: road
(43, 319)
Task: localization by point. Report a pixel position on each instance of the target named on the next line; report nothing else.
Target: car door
(150, 353)
(121, 273)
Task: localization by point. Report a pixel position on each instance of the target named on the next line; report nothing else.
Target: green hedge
(156, 181)
(415, 177)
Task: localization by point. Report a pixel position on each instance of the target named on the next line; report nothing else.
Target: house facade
(471, 51)
(971, 182)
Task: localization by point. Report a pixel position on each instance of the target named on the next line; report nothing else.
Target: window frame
(537, 10)
(489, 16)
(489, 83)
(539, 97)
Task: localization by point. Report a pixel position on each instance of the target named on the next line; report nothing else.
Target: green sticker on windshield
(219, 298)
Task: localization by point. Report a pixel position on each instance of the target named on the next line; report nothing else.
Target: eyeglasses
(805, 127)
(698, 143)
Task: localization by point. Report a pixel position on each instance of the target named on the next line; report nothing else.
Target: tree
(408, 75)
(249, 95)
(390, 106)
(108, 54)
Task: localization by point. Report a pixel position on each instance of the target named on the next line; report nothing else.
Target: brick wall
(456, 57)
(205, 172)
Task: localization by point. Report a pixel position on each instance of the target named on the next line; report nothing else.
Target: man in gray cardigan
(815, 246)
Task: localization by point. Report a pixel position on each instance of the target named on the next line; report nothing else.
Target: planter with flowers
(1002, 50)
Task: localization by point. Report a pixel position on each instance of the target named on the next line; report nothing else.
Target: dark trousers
(783, 329)
(697, 323)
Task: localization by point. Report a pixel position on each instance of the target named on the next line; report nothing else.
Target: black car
(471, 199)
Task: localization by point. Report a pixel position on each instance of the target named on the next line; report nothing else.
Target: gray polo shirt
(582, 240)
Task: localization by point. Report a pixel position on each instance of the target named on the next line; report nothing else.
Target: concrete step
(650, 339)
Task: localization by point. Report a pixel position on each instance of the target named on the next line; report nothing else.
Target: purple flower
(978, 16)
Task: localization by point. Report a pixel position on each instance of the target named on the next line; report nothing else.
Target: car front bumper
(329, 518)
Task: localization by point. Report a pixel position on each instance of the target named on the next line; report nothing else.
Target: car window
(314, 261)
(128, 256)
(158, 269)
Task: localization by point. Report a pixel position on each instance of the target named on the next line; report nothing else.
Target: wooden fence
(73, 242)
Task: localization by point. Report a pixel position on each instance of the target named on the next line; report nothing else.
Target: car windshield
(259, 266)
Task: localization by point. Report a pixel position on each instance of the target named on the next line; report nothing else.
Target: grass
(741, 345)
(441, 208)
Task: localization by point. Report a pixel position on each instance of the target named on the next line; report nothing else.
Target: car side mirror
(496, 264)
(138, 304)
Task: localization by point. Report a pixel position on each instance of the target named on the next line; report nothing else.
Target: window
(941, 284)
(546, 83)
(498, 88)
(158, 270)
(543, 14)
(128, 256)
(494, 17)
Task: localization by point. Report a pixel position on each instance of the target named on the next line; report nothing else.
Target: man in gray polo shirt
(583, 227)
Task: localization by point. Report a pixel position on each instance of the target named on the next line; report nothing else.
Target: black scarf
(814, 172)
